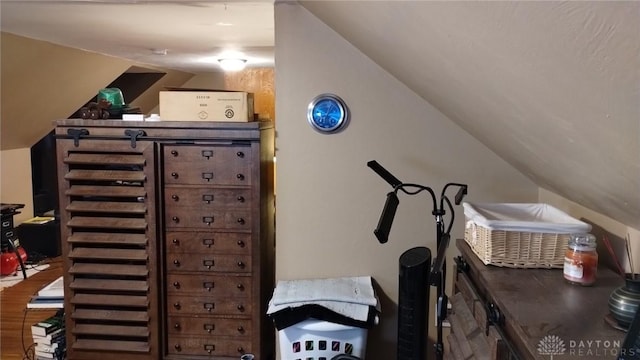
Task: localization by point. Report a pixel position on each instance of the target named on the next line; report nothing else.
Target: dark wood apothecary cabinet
(167, 237)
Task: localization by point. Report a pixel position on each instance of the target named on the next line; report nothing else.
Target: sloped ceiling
(551, 87)
(182, 35)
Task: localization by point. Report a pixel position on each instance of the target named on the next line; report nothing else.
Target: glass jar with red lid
(581, 259)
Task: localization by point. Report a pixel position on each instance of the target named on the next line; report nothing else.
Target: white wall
(212, 80)
(615, 231)
(16, 181)
(329, 201)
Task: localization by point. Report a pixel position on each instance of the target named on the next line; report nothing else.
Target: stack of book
(49, 297)
(49, 338)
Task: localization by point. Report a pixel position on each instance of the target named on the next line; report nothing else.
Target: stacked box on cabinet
(520, 235)
(322, 318)
(188, 104)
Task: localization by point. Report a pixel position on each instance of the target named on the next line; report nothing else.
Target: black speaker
(40, 240)
(413, 303)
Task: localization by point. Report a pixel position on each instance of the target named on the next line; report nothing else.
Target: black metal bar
(386, 218)
(386, 175)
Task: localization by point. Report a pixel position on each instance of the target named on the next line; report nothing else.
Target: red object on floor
(9, 262)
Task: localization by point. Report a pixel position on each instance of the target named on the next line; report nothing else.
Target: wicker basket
(516, 249)
(520, 235)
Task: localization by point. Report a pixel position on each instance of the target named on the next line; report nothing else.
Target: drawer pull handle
(207, 153)
(175, 197)
(240, 199)
(175, 175)
(240, 330)
(207, 176)
(177, 347)
(208, 285)
(240, 177)
(240, 154)
(176, 263)
(174, 153)
(209, 306)
(207, 242)
(241, 264)
(207, 198)
(208, 263)
(175, 219)
(176, 242)
(240, 221)
(209, 328)
(240, 287)
(176, 305)
(176, 326)
(176, 285)
(241, 243)
(240, 308)
(6, 223)
(210, 348)
(207, 219)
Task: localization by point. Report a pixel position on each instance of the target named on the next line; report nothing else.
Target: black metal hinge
(134, 135)
(76, 134)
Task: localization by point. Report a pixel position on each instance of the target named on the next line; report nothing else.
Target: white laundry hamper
(314, 339)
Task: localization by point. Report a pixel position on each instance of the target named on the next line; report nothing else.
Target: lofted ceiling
(180, 34)
(551, 87)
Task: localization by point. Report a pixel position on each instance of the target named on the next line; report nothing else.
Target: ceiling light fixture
(232, 64)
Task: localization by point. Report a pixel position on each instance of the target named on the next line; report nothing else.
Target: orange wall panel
(260, 82)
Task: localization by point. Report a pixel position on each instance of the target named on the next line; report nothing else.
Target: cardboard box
(206, 105)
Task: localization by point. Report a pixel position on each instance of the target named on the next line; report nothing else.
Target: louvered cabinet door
(108, 217)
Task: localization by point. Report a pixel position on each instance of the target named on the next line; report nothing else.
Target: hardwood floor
(16, 319)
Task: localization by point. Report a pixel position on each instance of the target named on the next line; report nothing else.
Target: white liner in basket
(520, 235)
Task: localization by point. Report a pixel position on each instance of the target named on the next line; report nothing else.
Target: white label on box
(133, 117)
(206, 106)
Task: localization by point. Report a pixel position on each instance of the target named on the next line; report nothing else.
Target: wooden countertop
(16, 319)
(539, 303)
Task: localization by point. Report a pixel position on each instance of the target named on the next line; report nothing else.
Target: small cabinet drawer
(209, 326)
(207, 165)
(180, 242)
(207, 305)
(209, 285)
(208, 346)
(209, 263)
(208, 219)
(207, 198)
